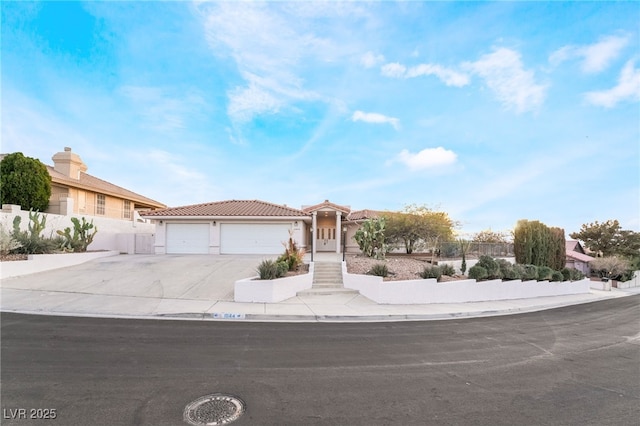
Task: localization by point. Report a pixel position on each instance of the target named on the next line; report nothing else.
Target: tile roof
(229, 208)
(92, 183)
(326, 203)
(364, 214)
(579, 256)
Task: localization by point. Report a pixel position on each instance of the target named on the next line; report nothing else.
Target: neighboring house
(73, 191)
(576, 257)
(254, 227)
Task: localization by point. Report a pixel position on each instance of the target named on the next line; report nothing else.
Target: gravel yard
(400, 268)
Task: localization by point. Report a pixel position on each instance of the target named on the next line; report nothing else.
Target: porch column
(314, 229)
(338, 231)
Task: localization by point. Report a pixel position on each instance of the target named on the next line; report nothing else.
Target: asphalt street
(578, 365)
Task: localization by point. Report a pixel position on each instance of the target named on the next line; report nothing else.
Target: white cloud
(427, 158)
(446, 75)
(628, 88)
(373, 117)
(370, 60)
(393, 70)
(514, 86)
(595, 57)
(271, 45)
(161, 111)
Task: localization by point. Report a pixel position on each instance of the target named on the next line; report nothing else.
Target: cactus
(31, 242)
(36, 226)
(81, 237)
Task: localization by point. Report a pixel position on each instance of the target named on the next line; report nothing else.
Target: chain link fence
(451, 250)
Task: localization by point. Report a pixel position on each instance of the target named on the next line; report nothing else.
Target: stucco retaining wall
(634, 282)
(45, 262)
(272, 291)
(113, 234)
(424, 291)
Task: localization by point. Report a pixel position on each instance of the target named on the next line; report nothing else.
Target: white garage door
(253, 238)
(191, 238)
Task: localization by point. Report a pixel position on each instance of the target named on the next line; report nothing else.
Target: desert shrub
(544, 273)
(611, 267)
(530, 272)
(478, 273)
(7, 242)
(490, 265)
(566, 274)
(282, 268)
(379, 270)
(508, 270)
(447, 269)
(431, 272)
(292, 256)
(576, 275)
(557, 276)
(270, 270)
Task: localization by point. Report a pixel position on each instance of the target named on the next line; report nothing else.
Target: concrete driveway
(189, 277)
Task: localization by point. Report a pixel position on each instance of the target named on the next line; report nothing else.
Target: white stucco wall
(272, 291)
(45, 262)
(424, 291)
(110, 234)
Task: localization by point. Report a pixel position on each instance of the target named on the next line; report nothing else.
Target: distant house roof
(575, 251)
(229, 208)
(92, 183)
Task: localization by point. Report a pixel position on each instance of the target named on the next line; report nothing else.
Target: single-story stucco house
(576, 257)
(254, 227)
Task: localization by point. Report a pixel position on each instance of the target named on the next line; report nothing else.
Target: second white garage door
(191, 238)
(253, 238)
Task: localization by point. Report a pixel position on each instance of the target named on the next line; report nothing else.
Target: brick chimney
(68, 163)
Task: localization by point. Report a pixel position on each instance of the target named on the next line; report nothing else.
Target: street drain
(214, 409)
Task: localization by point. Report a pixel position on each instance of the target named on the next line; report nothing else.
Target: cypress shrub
(478, 273)
(530, 272)
(544, 273)
(557, 276)
(490, 265)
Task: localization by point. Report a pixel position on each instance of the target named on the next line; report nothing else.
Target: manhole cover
(214, 409)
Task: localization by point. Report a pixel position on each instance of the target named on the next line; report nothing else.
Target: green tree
(609, 239)
(24, 181)
(417, 227)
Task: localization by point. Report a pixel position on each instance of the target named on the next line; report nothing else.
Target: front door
(326, 239)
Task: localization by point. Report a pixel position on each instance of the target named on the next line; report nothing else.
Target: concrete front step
(327, 291)
(327, 275)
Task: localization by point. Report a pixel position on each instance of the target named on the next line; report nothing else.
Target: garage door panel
(253, 238)
(188, 238)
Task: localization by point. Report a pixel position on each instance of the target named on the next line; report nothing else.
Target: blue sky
(492, 112)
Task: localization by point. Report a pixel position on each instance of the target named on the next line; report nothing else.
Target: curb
(222, 317)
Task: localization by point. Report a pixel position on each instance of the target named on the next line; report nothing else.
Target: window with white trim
(100, 203)
(126, 209)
